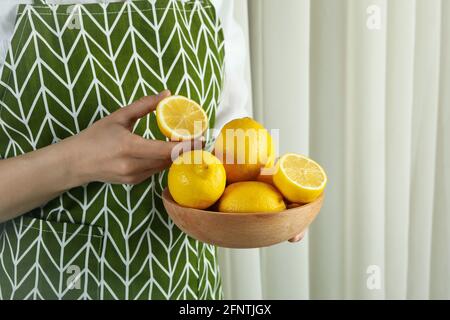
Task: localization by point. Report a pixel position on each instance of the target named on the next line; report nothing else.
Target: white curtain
(363, 86)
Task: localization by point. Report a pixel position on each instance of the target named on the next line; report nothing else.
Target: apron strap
(41, 2)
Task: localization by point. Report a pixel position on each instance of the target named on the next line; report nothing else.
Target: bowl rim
(166, 196)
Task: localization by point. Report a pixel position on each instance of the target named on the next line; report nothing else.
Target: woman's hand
(109, 152)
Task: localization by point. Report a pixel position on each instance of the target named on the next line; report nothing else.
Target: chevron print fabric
(68, 66)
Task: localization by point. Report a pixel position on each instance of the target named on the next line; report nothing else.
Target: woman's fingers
(145, 149)
(142, 155)
(297, 238)
(131, 166)
(140, 108)
(141, 177)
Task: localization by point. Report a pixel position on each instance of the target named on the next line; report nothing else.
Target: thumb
(141, 107)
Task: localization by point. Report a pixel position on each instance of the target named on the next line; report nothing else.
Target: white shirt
(236, 92)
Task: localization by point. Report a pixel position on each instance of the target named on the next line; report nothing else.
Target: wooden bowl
(242, 230)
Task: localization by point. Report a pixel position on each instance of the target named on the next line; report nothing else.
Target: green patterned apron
(68, 66)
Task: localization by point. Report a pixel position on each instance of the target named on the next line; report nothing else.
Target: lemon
(181, 119)
(196, 179)
(299, 179)
(251, 197)
(244, 146)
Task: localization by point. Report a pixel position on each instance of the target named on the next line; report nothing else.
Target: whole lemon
(196, 179)
(244, 146)
(251, 197)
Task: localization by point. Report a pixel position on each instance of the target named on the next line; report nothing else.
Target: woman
(82, 175)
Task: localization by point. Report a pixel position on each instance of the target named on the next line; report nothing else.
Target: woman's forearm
(31, 180)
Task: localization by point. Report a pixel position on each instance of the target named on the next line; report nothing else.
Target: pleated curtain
(363, 87)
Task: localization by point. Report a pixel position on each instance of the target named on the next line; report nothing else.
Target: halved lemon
(299, 179)
(180, 118)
